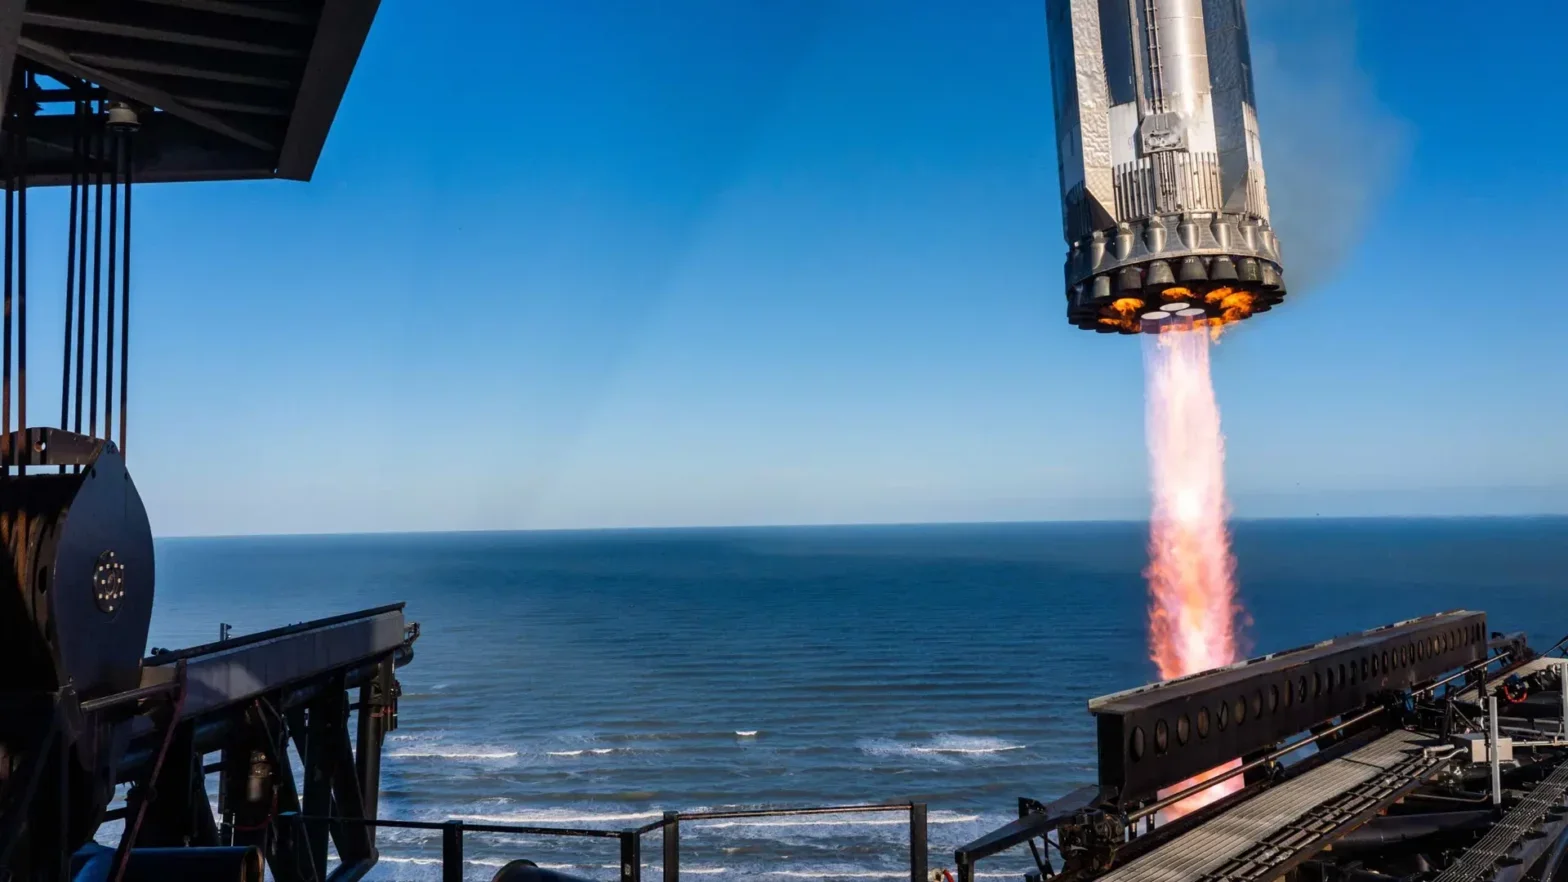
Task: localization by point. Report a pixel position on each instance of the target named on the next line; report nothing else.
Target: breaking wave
(893, 819)
(949, 747)
(559, 816)
(452, 753)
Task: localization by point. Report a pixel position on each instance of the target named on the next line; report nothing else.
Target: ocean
(598, 678)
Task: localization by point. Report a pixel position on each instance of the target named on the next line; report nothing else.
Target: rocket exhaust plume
(1193, 609)
(1192, 618)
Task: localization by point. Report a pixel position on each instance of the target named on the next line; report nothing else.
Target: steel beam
(316, 729)
(235, 106)
(340, 35)
(168, 149)
(186, 71)
(1157, 736)
(355, 843)
(289, 855)
(135, 31)
(11, 12)
(223, 675)
(136, 90)
(375, 709)
(275, 10)
(177, 798)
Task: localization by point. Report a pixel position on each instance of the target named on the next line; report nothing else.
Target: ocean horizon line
(861, 525)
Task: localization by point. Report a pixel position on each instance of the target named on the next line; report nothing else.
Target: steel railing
(631, 840)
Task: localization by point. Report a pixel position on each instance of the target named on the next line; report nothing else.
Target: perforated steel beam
(1156, 736)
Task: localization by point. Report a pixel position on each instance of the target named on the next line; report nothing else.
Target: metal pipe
(631, 857)
(774, 813)
(1435, 797)
(1289, 748)
(70, 285)
(84, 138)
(1183, 75)
(918, 849)
(92, 383)
(130, 696)
(1562, 683)
(114, 240)
(1140, 63)
(133, 824)
(519, 830)
(21, 281)
(5, 350)
(1492, 752)
(374, 693)
(1391, 830)
(672, 846)
(452, 851)
(128, 147)
(1480, 665)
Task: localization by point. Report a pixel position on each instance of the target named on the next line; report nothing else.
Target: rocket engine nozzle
(1164, 199)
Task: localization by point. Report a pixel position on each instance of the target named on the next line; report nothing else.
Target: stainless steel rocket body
(1164, 200)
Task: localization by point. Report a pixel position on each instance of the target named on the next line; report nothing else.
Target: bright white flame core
(1193, 609)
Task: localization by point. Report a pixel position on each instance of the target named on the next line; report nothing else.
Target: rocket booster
(1164, 202)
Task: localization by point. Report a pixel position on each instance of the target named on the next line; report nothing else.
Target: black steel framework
(1159, 735)
(227, 89)
(304, 683)
(1414, 814)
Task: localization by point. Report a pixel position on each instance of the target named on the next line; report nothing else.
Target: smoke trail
(1331, 149)
(1193, 609)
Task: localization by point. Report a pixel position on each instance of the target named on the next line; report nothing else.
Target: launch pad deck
(1481, 861)
(1256, 839)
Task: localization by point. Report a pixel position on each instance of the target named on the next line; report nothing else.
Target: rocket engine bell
(1164, 203)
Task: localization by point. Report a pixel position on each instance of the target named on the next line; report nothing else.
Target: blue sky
(585, 264)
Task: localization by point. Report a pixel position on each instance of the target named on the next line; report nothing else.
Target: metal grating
(1310, 832)
(1291, 820)
(1480, 860)
(1168, 183)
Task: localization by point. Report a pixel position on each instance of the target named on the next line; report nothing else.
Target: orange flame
(1193, 609)
(1122, 313)
(1126, 307)
(1236, 305)
(1203, 797)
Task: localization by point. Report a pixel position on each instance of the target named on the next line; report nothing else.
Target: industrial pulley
(76, 592)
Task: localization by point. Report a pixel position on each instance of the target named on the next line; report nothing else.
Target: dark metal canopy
(225, 89)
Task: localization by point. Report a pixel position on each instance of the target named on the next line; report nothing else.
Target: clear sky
(592, 264)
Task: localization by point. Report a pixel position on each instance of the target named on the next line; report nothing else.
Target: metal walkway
(1481, 859)
(1292, 821)
(1533, 666)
